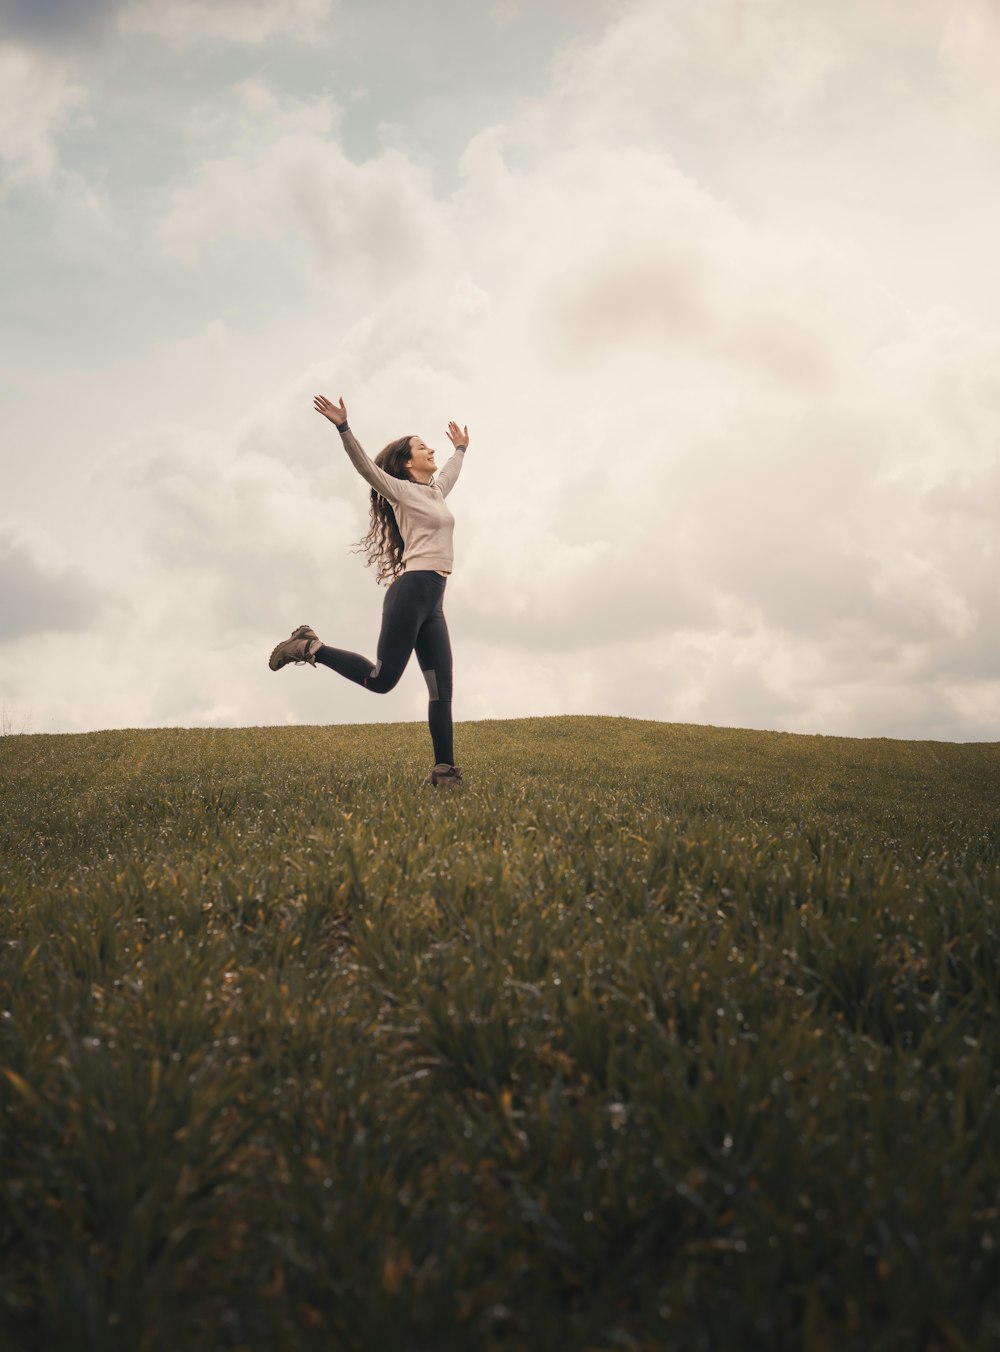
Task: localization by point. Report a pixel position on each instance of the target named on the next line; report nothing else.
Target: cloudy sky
(715, 286)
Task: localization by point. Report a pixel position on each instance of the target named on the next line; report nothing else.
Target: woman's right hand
(337, 413)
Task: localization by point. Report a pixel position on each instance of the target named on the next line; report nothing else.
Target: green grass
(648, 1036)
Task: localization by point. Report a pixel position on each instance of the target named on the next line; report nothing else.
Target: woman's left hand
(458, 436)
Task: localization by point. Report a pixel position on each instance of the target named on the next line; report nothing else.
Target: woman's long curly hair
(383, 545)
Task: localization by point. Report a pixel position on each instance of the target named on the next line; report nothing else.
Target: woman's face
(421, 462)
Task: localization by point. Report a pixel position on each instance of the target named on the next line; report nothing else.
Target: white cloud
(273, 172)
(44, 596)
(971, 48)
(37, 99)
(716, 67)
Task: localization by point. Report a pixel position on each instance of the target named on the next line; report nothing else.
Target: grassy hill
(648, 1036)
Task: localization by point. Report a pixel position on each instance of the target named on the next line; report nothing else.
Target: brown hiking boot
(300, 647)
(443, 776)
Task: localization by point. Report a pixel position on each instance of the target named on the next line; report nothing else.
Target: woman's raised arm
(459, 438)
(337, 413)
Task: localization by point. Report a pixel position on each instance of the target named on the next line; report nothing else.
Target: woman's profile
(410, 542)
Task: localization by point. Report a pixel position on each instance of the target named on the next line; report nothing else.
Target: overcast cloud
(713, 286)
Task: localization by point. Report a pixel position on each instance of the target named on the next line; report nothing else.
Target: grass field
(649, 1036)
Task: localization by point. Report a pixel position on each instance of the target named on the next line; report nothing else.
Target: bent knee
(380, 680)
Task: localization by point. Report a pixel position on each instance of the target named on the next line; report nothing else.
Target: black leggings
(412, 621)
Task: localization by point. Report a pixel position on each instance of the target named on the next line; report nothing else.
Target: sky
(714, 287)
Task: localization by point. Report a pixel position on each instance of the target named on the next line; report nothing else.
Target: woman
(410, 541)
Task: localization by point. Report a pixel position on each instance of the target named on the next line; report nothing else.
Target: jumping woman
(410, 542)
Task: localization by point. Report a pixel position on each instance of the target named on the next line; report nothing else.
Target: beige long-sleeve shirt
(425, 522)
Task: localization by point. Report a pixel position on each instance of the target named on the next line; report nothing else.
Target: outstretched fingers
(337, 413)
